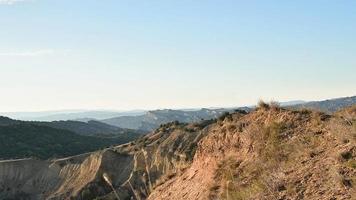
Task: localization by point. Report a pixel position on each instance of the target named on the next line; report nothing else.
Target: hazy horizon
(69, 111)
(125, 55)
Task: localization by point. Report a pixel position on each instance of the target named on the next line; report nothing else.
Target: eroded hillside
(135, 169)
(270, 153)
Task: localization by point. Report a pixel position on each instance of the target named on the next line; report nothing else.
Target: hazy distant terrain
(69, 115)
(330, 105)
(63, 138)
(90, 128)
(153, 119)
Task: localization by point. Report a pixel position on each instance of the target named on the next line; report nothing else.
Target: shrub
(346, 155)
(241, 111)
(223, 116)
(204, 123)
(262, 105)
(305, 111)
(351, 164)
(231, 128)
(346, 182)
(215, 188)
(189, 130)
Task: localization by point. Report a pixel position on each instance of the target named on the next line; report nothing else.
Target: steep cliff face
(270, 153)
(161, 155)
(60, 179)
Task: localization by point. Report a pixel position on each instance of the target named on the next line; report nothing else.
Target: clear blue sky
(113, 54)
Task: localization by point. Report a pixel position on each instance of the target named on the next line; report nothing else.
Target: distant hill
(19, 139)
(69, 115)
(153, 119)
(30, 140)
(91, 128)
(330, 106)
(5, 121)
(292, 103)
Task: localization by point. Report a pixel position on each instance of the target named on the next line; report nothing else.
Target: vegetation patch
(259, 176)
(346, 155)
(351, 164)
(274, 149)
(27, 140)
(262, 105)
(225, 115)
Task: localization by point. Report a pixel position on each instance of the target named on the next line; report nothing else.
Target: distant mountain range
(78, 115)
(291, 103)
(153, 119)
(330, 105)
(111, 122)
(91, 128)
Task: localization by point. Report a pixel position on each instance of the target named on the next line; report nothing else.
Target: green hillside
(29, 140)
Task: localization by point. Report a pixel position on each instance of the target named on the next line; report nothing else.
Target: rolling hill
(20, 139)
(29, 140)
(90, 128)
(63, 115)
(330, 105)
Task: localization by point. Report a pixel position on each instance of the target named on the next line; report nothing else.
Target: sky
(124, 55)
